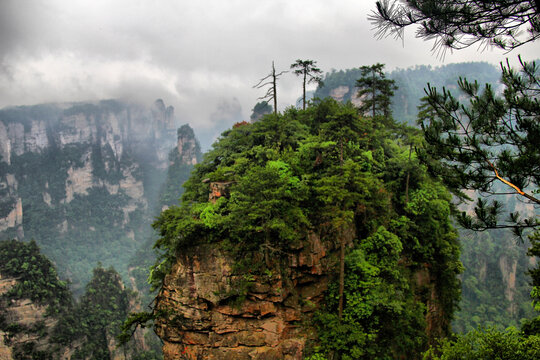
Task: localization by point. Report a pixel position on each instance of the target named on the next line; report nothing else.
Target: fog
(201, 57)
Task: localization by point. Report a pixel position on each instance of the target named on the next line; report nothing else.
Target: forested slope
(496, 287)
(323, 179)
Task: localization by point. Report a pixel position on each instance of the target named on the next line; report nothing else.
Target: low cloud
(197, 56)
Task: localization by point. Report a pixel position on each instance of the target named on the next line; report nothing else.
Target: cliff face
(28, 325)
(496, 284)
(205, 322)
(83, 179)
(107, 132)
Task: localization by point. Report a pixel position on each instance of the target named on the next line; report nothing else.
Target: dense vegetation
(328, 170)
(489, 298)
(489, 344)
(487, 142)
(355, 179)
(36, 276)
(86, 328)
(35, 279)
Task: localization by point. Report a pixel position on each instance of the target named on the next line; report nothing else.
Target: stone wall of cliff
(207, 318)
(25, 326)
(84, 177)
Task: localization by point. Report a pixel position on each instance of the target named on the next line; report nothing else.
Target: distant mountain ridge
(83, 179)
(341, 84)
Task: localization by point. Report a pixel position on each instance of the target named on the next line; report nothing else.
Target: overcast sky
(202, 57)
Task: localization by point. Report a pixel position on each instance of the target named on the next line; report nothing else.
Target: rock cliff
(83, 179)
(262, 259)
(27, 326)
(208, 318)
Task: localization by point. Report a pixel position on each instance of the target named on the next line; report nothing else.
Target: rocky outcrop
(345, 92)
(5, 145)
(71, 166)
(105, 133)
(508, 267)
(14, 217)
(11, 209)
(186, 148)
(118, 125)
(79, 180)
(26, 321)
(208, 318)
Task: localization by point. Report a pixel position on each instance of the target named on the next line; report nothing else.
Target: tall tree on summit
(310, 74)
(375, 91)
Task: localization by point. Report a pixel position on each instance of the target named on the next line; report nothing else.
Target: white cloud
(193, 54)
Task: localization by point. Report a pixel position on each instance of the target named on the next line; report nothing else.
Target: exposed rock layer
(203, 321)
(76, 166)
(26, 314)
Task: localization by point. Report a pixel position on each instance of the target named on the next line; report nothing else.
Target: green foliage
(488, 344)
(327, 170)
(36, 276)
(485, 298)
(487, 143)
(134, 320)
(260, 109)
(98, 316)
(381, 318)
(410, 84)
(375, 90)
(310, 74)
(506, 24)
(77, 232)
(92, 220)
(178, 171)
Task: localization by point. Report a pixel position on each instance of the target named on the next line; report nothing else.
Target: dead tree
(270, 80)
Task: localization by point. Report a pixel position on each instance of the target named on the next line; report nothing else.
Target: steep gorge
(84, 179)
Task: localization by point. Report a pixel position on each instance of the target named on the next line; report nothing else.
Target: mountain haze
(84, 179)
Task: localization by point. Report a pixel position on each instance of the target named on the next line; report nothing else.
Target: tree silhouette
(375, 90)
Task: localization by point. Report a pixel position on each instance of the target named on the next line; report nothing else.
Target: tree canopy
(489, 144)
(375, 91)
(330, 171)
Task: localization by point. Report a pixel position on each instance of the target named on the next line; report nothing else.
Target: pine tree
(375, 91)
(310, 74)
(506, 24)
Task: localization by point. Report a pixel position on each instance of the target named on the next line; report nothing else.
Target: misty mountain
(84, 179)
(411, 82)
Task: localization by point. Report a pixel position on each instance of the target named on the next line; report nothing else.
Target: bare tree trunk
(274, 78)
(304, 92)
(408, 177)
